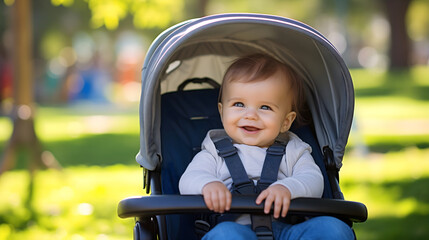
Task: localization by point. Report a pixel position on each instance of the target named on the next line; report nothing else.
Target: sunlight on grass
(391, 185)
(78, 201)
(420, 75)
(391, 110)
(73, 122)
(373, 78)
(6, 128)
(53, 124)
(392, 107)
(367, 78)
(410, 163)
(77, 126)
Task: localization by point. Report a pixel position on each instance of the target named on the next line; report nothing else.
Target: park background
(84, 68)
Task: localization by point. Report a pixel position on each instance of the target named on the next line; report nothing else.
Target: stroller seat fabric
(186, 118)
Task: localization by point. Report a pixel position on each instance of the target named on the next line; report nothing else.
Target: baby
(259, 99)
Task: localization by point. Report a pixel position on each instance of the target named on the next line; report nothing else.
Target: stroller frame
(329, 91)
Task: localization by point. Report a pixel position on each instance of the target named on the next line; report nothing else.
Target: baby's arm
(305, 178)
(200, 178)
(200, 171)
(278, 195)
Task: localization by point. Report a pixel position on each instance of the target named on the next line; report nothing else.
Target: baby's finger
(208, 201)
(215, 201)
(285, 208)
(222, 201)
(261, 197)
(268, 202)
(228, 201)
(277, 207)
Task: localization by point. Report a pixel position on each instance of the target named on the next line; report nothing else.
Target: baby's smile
(250, 129)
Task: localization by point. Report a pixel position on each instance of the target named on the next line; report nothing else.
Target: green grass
(94, 135)
(393, 187)
(75, 203)
(78, 202)
(97, 145)
(392, 120)
(392, 109)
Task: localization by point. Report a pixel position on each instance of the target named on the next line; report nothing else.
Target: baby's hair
(258, 67)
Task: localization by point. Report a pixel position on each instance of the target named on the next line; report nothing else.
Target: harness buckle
(227, 151)
(262, 185)
(225, 148)
(262, 226)
(245, 188)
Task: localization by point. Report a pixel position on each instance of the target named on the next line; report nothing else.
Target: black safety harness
(242, 185)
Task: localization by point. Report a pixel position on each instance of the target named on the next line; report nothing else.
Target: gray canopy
(205, 47)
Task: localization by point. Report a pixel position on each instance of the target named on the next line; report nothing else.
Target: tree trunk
(23, 137)
(196, 8)
(400, 43)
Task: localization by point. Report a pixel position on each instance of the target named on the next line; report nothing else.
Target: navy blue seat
(186, 117)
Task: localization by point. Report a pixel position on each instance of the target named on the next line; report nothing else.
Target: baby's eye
(238, 104)
(265, 107)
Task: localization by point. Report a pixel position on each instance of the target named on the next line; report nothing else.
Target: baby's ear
(287, 123)
(219, 107)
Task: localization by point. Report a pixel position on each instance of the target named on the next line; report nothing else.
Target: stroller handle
(148, 206)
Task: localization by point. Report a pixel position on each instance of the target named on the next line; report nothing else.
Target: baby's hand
(277, 194)
(217, 197)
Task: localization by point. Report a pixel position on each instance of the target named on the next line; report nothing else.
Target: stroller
(180, 84)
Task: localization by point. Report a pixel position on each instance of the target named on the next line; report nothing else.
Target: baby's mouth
(250, 128)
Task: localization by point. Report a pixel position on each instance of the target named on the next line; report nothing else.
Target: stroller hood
(205, 47)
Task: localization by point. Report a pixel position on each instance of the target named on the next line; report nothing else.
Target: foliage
(418, 20)
(146, 14)
(301, 10)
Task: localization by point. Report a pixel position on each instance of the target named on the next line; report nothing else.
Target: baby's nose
(251, 113)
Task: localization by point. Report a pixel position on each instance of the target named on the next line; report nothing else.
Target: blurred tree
(103, 13)
(23, 137)
(395, 12)
(400, 43)
(196, 8)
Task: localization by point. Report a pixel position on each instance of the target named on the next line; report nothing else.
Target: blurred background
(70, 86)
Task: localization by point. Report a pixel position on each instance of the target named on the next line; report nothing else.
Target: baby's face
(254, 113)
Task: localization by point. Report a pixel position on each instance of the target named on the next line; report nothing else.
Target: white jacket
(298, 171)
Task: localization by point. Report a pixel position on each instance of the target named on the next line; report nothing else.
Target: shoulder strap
(241, 182)
(272, 161)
